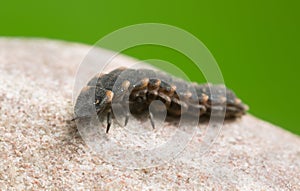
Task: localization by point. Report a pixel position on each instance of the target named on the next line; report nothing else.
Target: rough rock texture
(41, 149)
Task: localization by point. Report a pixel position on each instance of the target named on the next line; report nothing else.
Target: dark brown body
(138, 88)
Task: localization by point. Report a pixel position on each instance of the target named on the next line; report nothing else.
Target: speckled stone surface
(41, 149)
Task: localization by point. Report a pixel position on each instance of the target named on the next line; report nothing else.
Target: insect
(138, 88)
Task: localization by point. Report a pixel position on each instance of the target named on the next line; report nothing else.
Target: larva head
(92, 100)
(103, 99)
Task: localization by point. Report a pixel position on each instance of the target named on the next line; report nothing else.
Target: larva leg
(151, 120)
(109, 116)
(126, 119)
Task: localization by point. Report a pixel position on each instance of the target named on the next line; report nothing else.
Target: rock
(41, 149)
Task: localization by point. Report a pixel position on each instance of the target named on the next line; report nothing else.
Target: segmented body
(138, 88)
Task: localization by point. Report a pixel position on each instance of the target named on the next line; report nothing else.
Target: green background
(256, 43)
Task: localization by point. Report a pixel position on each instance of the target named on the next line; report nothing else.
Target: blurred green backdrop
(256, 43)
